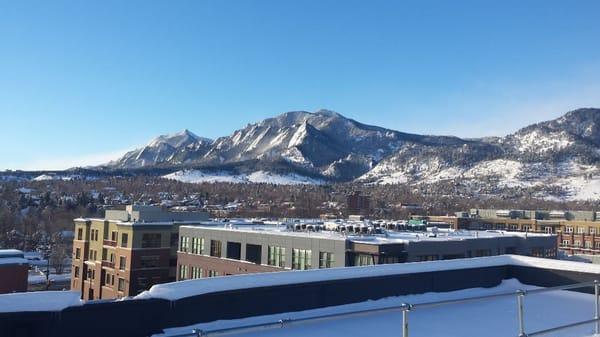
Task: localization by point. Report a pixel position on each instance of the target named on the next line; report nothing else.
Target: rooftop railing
(407, 308)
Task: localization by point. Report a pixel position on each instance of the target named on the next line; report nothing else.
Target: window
(124, 239)
(104, 254)
(301, 259)
(537, 251)
(122, 262)
(253, 253)
(577, 243)
(215, 248)
(183, 272)
(78, 253)
(592, 230)
(569, 229)
(276, 256)
(550, 252)
(150, 261)
(565, 242)
(184, 244)
(580, 230)
(385, 259)
(588, 244)
(366, 260)
(197, 245)
(151, 240)
(326, 260)
(113, 236)
(121, 284)
(196, 272)
(76, 271)
(213, 273)
(79, 233)
(597, 244)
(482, 252)
(234, 250)
(142, 282)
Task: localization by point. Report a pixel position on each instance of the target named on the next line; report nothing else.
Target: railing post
(520, 297)
(405, 309)
(597, 303)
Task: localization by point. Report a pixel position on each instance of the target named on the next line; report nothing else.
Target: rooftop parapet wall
(189, 302)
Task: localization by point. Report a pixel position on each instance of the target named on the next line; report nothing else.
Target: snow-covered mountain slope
(173, 149)
(323, 142)
(554, 159)
(199, 176)
(557, 158)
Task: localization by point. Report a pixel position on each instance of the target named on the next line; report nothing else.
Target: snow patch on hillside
(295, 156)
(542, 142)
(197, 176)
(577, 181)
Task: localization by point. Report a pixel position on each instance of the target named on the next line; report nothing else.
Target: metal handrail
(405, 308)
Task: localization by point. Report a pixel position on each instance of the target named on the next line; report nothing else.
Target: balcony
(109, 243)
(108, 264)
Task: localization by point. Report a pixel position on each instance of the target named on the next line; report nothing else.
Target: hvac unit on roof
(557, 214)
(503, 213)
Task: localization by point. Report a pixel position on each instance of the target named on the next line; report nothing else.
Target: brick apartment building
(13, 271)
(127, 251)
(578, 232)
(357, 203)
(206, 251)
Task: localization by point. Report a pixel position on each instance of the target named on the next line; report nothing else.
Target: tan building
(127, 251)
(578, 232)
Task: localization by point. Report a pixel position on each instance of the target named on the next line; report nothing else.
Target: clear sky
(83, 81)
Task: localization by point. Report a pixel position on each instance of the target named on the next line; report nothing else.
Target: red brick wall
(13, 278)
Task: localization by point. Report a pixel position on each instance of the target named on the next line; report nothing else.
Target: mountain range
(551, 159)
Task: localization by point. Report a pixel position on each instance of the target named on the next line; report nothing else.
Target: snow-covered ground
(40, 277)
(490, 318)
(197, 176)
(39, 301)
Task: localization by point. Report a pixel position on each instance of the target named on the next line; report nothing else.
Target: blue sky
(83, 81)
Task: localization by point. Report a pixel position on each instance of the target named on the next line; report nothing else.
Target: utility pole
(47, 257)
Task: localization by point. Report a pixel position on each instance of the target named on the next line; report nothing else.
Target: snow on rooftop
(187, 288)
(39, 301)
(13, 260)
(10, 252)
(387, 237)
(490, 318)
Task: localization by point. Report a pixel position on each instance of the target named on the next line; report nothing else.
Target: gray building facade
(206, 251)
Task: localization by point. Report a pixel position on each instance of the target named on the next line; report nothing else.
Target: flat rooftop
(350, 301)
(495, 317)
(386, 236)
